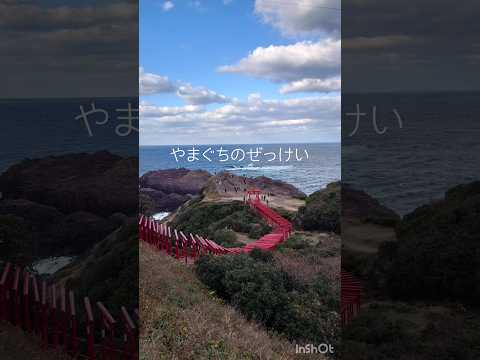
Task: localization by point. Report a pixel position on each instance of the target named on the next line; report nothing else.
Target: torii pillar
(253, 192)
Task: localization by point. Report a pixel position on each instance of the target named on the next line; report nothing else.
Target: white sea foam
(160, 216)
(51, 265)
(261, 168)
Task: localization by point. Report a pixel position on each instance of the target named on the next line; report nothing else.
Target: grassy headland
(292, 292)
(184, 319)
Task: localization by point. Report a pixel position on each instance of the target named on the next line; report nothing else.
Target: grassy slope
(16, 345)
(183, 320)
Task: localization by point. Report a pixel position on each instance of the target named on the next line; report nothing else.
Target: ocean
(36, 128)
(437, 147)
(322, 167)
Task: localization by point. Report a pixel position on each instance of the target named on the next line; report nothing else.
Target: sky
(425, 45)
(79, 48)
(239, 71)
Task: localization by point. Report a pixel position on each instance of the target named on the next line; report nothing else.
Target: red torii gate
(351, 297)
(253, 192)
(31, 304)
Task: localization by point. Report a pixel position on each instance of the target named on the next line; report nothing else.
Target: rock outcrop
(225, 182)
(178, 181)
(101, 183)
(166, 190)
(65, 204)
(357, 204)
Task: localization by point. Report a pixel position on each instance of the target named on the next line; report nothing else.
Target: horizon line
(266, 143)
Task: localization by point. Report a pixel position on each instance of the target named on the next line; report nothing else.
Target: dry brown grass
(322, 260)
(181, 319)
(16, 345)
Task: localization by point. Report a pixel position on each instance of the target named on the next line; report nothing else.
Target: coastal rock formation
(65, 204)
(80, 230)
(178, 181)
(38, 217)
(47, 231)
(101, 183)
(225, 182)
(153, 201)
(166, 190)
(357, 204)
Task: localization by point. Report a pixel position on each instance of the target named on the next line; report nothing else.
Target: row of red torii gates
(83, 330)
(191, 246)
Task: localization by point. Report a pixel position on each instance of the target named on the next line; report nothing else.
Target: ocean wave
(251, 167)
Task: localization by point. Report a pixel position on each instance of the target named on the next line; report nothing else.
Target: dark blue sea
(36, 128)
(309, 175)
(437, 147)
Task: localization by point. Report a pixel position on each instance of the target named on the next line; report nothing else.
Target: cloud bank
(256, 118)
(301, 17)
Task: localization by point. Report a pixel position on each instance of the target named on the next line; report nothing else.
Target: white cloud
(254, 120)
(199, 95)
(294, 62)
(156, 112)
(301, 17)
(292, 122)
(168, 5)
(313, 85)
(151, 83)
(154, 84)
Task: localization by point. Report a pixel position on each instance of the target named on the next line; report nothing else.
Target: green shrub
(296, 242)
(437, 255)
(146, 204)
(205, 219)
(261, 255)
(258, 230)
(225, 237)
(321, 211)
(265, 293)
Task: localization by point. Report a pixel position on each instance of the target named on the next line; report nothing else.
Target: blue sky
(239, 71)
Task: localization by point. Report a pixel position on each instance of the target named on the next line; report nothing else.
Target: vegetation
(219, 221)
(110, 272)
(15, 239)
(398, 331)
(258, 286)
(182, 319)
(436, 256)
(435, 267)
(146, 204)
(226, 237)
(321, 211)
